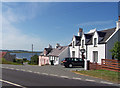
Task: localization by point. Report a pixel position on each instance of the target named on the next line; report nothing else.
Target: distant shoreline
(25, 52)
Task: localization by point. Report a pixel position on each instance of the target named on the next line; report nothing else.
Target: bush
(34, 60)
(25, 60)
(20, 61)
(116, 50)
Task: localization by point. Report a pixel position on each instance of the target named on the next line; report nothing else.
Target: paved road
(26, 79)
(55, 71)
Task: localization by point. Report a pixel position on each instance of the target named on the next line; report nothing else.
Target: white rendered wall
(76, 49)
(101, 52)
(99, 47)
(83, 38)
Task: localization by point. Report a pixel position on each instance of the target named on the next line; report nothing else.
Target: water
(24, 55)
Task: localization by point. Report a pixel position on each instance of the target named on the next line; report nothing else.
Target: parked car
(70, 62)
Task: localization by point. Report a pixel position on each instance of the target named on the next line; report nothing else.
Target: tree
(116, 50)
(34, 60)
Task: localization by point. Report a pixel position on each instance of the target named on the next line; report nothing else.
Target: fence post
(88, 65)
(85, 64)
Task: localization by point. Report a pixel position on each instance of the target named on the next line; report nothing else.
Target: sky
(43, 23)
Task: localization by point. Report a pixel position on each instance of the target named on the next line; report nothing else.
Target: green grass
(9, 62)
(103, 74)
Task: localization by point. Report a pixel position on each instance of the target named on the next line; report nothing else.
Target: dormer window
(82, 43)
(95, 42)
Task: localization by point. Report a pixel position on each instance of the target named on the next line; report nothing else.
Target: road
(27, 79)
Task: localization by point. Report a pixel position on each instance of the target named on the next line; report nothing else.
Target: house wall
(99, 47)
(76, 49)
(110, 44)
(63, 54)
(101, 52)
(84, 47)
(55, 60)
(43, 60)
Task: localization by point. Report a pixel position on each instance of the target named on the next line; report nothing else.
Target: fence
(112, 65)
(107, 64)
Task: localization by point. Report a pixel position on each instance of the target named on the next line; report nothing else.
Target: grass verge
(102, 74)
(9, 62)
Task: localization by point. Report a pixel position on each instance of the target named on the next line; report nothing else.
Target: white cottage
(58, 54)
(95, 44)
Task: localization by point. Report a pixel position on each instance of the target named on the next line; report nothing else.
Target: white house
(95, 44)
(75, 45)
(58, 54)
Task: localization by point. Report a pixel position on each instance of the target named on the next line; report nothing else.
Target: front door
(95, 56)
(52, 62)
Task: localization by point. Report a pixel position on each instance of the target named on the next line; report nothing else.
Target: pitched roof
(89, 38)
(106, 34)
(2, 54)
(57, 51)
(78, 37)
(78, 43)
(48, 51)
(70, 44)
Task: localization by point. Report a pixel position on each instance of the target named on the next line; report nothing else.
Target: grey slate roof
(105, 34)
(57, 51)
(78, 37)
(48, 51)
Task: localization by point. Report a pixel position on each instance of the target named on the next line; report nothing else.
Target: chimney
(57, 45)
(80, 32)
(119, 18)
(118, 24)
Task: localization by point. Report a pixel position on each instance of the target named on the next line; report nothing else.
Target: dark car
(70, 62)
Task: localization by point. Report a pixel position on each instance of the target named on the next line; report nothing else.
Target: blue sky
(43, 23)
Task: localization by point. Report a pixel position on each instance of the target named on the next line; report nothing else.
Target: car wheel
(70, 65)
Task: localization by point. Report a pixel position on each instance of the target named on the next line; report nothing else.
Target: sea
(24, 55)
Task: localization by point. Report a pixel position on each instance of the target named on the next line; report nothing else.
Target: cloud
(14, 38)
(18, 12)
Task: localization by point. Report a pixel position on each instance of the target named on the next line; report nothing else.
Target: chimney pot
(119, 18)
(80, 29)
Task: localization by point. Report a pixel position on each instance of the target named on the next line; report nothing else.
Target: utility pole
(32, 49)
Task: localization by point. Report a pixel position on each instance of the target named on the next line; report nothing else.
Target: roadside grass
(102, 74)
(3, 61)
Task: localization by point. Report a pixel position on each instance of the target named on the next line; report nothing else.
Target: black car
(70, 62)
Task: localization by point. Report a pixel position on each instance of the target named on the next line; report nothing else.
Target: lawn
(103, 74)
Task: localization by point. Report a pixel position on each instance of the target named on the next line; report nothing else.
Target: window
(73, 53)
(95, 56)
(73, 44)
(82, 43)
(95, 41)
